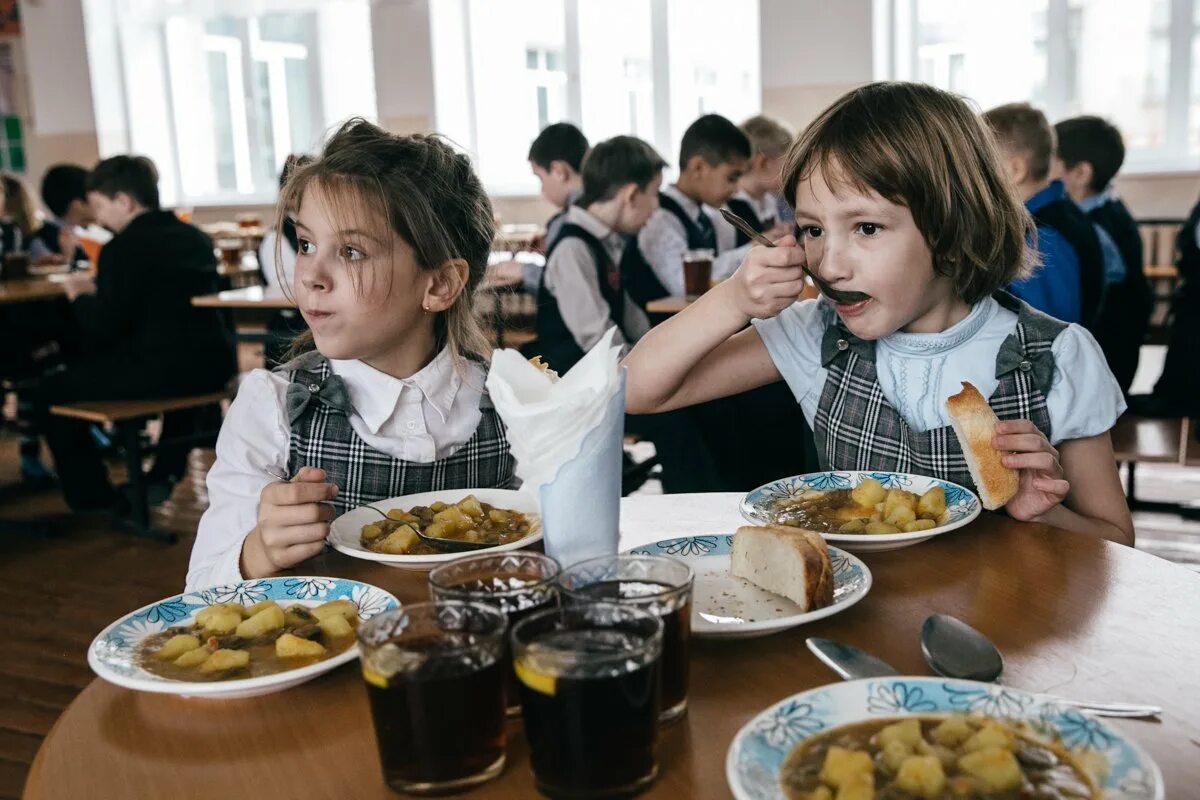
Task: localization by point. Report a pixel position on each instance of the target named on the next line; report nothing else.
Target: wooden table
(1074, 616)
(249, 297)
(29, 290)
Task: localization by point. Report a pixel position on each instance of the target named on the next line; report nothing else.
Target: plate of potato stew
(239, 640)
(903, 738)
(505, 519)
(864, 511)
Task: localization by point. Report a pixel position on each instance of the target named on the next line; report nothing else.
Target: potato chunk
(952, 731)
(400, 515)
(176, 646)
(990, 735)
(335, 626)
(470, 506)
(193, 658)
(898, 498)
(291, 646)
(922, 776)
(220, 620)
(453, 518)
(265, 621)
(842, 765)
(225, 660)
(259, 607)
(868, 492)
(997, 767)
(372, 531)
(342, 608)
(932, 504)
(880, 527)
(859, 786)
(894, 754)
(853, 526)
(901, 515)
(398, 542)
(907, 732)
(918, 525)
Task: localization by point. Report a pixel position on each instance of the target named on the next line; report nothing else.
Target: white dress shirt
(421, 418)
(765, 208)
(918, 371)
(663, 243)
(572, 278)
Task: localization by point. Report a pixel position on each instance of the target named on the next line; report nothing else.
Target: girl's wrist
(253, 562)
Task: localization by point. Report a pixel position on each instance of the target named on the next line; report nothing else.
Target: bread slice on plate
(974, 424)
(788, 561)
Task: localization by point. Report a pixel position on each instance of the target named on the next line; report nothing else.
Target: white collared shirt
(765, 208)
(422, 418)
(572, 278)
(663, 243)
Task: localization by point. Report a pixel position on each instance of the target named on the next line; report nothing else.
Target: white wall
(403, 56)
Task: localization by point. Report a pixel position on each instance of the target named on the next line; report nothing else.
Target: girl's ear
(445, 285)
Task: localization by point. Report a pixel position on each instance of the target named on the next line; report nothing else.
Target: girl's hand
(769, 280)
(1042, 485)
(292, 523)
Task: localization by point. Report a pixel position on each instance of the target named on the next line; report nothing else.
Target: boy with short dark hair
(64, 192)
(137, 319)
(1090, 153)
(712, 157)
(758, 198)
(582, 292)
(1070, 279)
(556, 157)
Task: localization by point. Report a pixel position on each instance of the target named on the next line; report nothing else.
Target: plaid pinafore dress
(318, 410)
(856, 428)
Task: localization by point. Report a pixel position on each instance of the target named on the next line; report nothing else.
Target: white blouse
(918, 371)
(422, 418)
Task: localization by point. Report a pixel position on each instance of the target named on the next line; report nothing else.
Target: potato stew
(868, 508)
(467, 520)
(229, 641)
(937, 757)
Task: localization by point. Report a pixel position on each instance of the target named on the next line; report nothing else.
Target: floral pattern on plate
(757, 752)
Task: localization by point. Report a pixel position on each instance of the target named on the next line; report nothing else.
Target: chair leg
(131, 434)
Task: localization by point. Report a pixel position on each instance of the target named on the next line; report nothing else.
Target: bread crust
(818, 570)
(974, 424)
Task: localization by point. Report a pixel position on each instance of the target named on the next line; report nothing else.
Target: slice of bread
(974, 424)
(784, 560)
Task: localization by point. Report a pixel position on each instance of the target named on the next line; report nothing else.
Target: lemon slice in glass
(538, 681)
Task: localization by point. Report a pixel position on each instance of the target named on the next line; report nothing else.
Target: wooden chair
(128, 417)
(1142, 440)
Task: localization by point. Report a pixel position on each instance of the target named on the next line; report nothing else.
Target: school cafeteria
(753, 399)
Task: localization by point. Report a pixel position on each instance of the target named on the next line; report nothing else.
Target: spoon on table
(436, 542)
(953, 649)
(827, 290)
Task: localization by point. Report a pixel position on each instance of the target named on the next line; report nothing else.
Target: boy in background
(712, 157)
(1070, 279)
(758, 196)
(65, 195)
(1089, 155)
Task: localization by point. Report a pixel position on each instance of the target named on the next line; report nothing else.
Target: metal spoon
(436, 542)
(953, 649)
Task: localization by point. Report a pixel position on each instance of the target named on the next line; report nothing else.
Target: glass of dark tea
(660, 585)
(697, 272)
(516, 583)
(590, 683)
(435, 681)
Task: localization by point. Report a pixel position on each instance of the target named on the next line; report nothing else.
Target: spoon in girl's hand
(953, 649)
(844, 298)
(281, 477)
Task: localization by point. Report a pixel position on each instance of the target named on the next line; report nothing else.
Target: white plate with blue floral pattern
(753, 763)
(725, 606)
(112, 657)
(962, 505)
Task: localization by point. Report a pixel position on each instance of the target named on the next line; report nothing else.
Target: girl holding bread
(387, 397)
(907, 224)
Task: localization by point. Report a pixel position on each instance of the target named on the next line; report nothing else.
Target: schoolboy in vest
(582, 293)
(712, 157)
(758, 196)
(1069, 280)
(65, 195)
(1089, 155)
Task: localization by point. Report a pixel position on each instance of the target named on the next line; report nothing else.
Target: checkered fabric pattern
(322, 437)
(856, 428)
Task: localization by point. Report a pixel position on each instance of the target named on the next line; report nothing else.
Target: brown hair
(426, 192)
(767, 136)
(925, 149)
(18, 205)
(1023, 130)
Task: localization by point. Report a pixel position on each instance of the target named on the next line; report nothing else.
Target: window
(219, 95)
(1134, 63)
(503, 71)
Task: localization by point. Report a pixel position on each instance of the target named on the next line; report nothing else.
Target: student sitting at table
(144, 338)
(1069, 278)
(556, 158)
(757, 197)
(1089, 154)
(712, 157)
(910, 230)
(388, 396)
(17, 219)
(64, 191)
